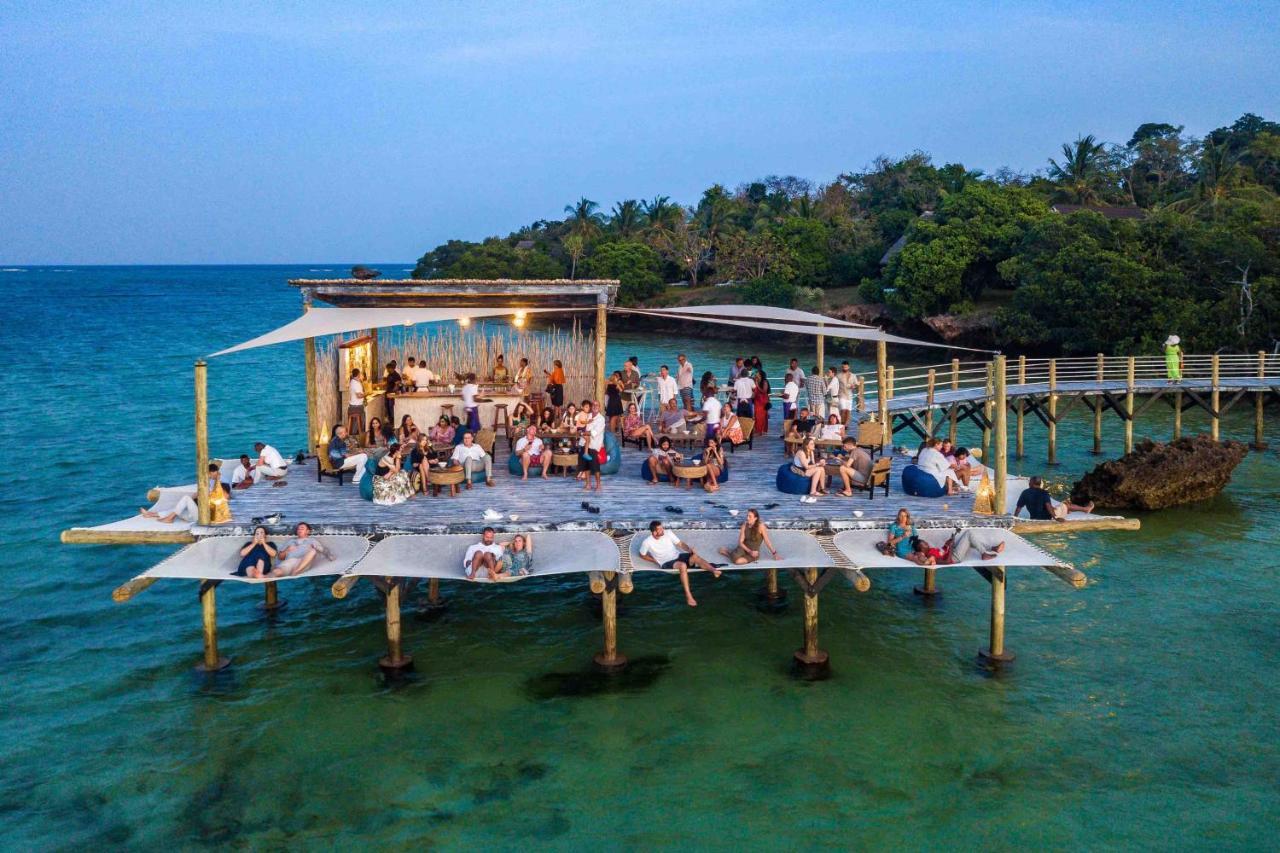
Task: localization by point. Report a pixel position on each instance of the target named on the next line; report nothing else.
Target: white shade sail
(334, 321)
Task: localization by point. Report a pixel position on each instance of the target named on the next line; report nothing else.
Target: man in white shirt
(662, 548)
(667, 389)
(790, 396)
(270, 463)
(243, 476)
(592, 449)
(848, 382)
(485, 554)
(422, 377)
(743, 389)
(833, 390)
(532, 452)
(471, 456)
(684, 381)
(355, 402)
(711, 407)
(797, 372)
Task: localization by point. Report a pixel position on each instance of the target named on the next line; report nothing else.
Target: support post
(1001, 427)
(995, 652)
(396, 661)
(314, 428)
(882, 401)
(1177, 415)
(212, 661)
(987, 413)
(810, 662)
(888, 391)
(929, 588)
(1216, 396)
(862, 394)
(1097, 406)
(772, 599)
(1128, 405)
(271, 602)
(1053, 411)
(610, 660)
(928, 401)
(822, 350)
(1258, 399)
(602, 340)
(435, 606)
(1022, 380)
(955, 386)
(202, 443)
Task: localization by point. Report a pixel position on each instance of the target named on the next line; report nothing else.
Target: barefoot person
(186, 509)
(807, 464)
(517, 558)
(635, 429)
(1041, 506)
(256, 557)
(270, 463)
(713, 460)
(298, 555)
(752, 536)
(592, 453)
(986, 542)
(484, 556)
(662, 548)
(898, 541)
(662, 460)
(855, 465)
(533, 452)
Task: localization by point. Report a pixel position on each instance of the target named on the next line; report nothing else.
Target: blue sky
(226, 133)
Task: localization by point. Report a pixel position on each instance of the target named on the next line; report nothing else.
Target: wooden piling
(212, 661)
(1001, 427)
(821, 355)
(602, 340)
(955, 386)
(882, 401)
(811, 662)
(1258, 400)
(772, 598)
(396, 661)
(610, 660)
(1021, 412)
(1053, 411)
(862, 394)
(202, 443)
(930, 586)
(315, 423)
(1216, 397)
(1177, 415)
(1128, 404)
(1097, 406)
(271, 602)
(987, 414)
(995, 652)
(928, 412)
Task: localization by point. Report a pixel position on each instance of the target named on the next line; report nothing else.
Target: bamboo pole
(995, 650)
(1097, 406)
(202, 443)
(882, 401)
(955, 386)
(132, 587)
(602, 336)
(1216, 397)
(1128, 405)
(212, 661)
(314, 427)
(1001, 427)
(928, 412)
(343, 585)
(1053, 411)
(822, 350)
(87, 536)
(1022, 380)
(395, 661)
(987, 413)
(862, 394)
(1258, 400)
(811, 662)
(609, 660)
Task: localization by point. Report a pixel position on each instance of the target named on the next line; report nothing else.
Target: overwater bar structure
(410, 549)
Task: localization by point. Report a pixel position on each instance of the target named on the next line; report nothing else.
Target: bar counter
(425, 407)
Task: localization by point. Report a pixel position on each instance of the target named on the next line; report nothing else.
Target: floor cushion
(513, 465)
(647, 473)
(791, 483)
(920, 483)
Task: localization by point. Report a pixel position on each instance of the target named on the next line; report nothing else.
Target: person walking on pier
(667, 552)
(1173, 358)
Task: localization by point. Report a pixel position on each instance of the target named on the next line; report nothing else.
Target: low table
(564, 461)
(688, 473)
(453, 476)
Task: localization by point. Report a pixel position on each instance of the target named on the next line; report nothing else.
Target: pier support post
(395, 661)
(955, 386)
(772, 598)
(1258, 400)
(821, 355)
(928, 412)
(602, 340)
(1022, 380)
(1001, 427)
(1128, 404)
(271, 602)
(1177, 415)
(212, 661)
(810, 662)
(314, 420)
(435, 605)
(882, 399)
(1216, 395)
(202, 443)
(1097, 406)
(1053, 411)
(610, 660)
(929, 588)
(995, 652)
(862, 395)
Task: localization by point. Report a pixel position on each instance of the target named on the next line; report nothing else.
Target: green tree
(635, 265)
(625, 221)
(1080, 176)
(575, 246)
(494, 258)
(434, 263)
(583, 218)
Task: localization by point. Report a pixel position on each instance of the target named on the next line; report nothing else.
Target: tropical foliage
(1175, 234)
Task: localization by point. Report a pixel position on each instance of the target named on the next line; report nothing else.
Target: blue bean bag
(613, 449)
(647, 473)
(791, 483)
(920, 483)
(366, 482)
(513, 465)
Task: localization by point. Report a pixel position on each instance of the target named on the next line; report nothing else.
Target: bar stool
(446, 410)
(355, 422)
(500, 412)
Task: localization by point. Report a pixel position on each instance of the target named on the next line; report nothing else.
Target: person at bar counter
(1041, 506)
(500, 373)
(472, 457)
(392, 384)
(532, 452)
(524, 377)
(340, 456)
(355, 399)
(665, 550)
(422, 376)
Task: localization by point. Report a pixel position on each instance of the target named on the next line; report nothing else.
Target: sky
(184, 132)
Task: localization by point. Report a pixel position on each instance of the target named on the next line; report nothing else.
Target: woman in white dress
(933, 462)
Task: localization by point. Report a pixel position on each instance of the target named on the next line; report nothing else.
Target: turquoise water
(1140, 711)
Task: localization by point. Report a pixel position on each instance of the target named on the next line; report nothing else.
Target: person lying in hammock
(986, 542)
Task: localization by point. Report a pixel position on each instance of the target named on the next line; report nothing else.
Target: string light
(464, 322)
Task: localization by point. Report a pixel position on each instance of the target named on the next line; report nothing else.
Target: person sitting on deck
(242, 477)
(962, 464)
(986, 542)
(270, 463)
(808, 464)
(805, 422)
(662, 548)
(833, 429)
(341, 458)
(547, 420)
(471, 457)
(533, 452)
(753, 536)
(730, 427)
(855, 465)
(500, 372)
(1041, 506)
(406, 429)
(442, 432)
(522, 415)
(187, 510)
(569, 418)
(634, 427)
(662, 460)
(484, 555)
(256, 557)
(932, 462)
(672, 418)
(298, 555)
(713, 459)
(391, 483)
(898, 541)
(373, 436)
(517, 557)
(470, 390)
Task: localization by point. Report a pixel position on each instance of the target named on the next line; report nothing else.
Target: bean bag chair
(366, 482)
(791, 483)
(647, 473)
(613, 459)
(513, 466)
(920, 483)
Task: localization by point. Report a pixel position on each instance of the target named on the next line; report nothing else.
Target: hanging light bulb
(464, 322)
(518, 322)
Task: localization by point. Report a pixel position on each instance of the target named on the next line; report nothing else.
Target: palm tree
(661, 214)
(583, 218)
(1080, 172)
(1218, 178)
(626, 217)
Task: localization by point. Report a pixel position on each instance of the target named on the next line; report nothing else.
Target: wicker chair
(871, 437)
(879, 476)
(748, 429)
(324, 466)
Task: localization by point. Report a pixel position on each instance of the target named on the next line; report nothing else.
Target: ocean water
(1141, 711)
